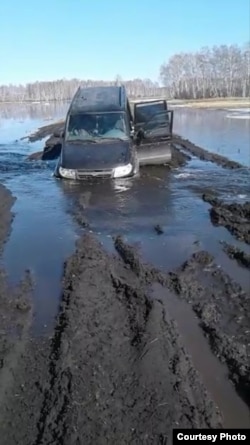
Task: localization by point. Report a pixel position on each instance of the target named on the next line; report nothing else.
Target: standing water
(226, 132)
(44, 233)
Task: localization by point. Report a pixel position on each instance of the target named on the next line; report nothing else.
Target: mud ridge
(45, 131)
(223, 308)
(6, 216)
(49, 418)
(205, 155)
(117, 371)
(242, 258)
(235, 217)
(220, 303)
(179, 159)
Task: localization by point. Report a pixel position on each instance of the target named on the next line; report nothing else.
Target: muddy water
(43, 236)
(44, 232)
(213, 373)
(218, 131)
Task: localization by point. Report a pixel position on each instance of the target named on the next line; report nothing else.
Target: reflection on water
(26, 111)
(19, 120)
(211, 129)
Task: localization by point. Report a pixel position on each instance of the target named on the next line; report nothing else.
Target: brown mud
(115, 369)
(220, 303)
(235, 217)
(52, 148)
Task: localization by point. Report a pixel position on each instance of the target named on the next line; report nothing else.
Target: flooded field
(50, 215)
(222, 131)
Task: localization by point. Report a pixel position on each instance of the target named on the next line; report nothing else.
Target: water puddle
(213, 373)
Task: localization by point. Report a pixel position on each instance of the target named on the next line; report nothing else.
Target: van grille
(83, 174)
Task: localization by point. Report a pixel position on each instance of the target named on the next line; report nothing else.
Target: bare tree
(62, 89)
(222, 71)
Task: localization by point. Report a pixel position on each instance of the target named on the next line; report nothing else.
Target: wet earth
(124, 305)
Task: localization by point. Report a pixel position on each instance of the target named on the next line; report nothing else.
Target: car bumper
(80, 175)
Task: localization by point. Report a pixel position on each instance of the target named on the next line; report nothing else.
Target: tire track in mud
(52, 391)
(220, 303)
(117, 371)
(116, 354)
(111, 314)
(223, 308)
(116, 366)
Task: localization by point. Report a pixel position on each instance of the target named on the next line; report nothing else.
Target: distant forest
(221, 71)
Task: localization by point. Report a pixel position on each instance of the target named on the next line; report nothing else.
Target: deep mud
(235, 217)
(115, 370)
(221, 305)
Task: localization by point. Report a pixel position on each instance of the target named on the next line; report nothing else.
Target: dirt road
(114, 371)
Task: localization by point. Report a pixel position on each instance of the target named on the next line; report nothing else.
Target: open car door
(153, 127)
(152, 116)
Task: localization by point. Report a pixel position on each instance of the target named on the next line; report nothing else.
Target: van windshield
(97, 127)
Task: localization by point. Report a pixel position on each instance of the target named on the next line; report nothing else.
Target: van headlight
(67, 173)
(124, 170)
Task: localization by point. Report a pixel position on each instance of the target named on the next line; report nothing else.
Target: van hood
(95, 156)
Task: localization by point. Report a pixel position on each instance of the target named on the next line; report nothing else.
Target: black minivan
(97, 140)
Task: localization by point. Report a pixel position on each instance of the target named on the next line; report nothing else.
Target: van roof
(99, 99)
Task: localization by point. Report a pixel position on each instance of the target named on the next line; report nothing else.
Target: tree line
(221, 71)
(63, 89)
